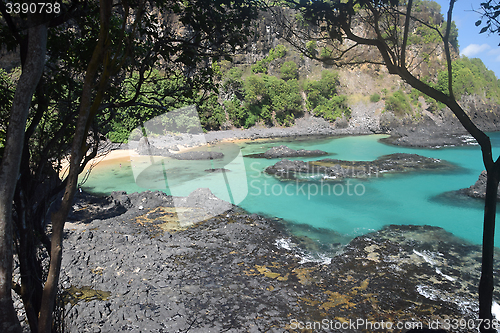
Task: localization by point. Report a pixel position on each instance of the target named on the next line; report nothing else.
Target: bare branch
(406, 29)
(447, 49)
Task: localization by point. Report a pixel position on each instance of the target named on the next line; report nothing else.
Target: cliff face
(368, 88)
(359, 83)
(268, 34)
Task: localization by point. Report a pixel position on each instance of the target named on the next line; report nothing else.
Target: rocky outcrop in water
(238, 272)
(338, 169)
(284, 151)
(422, 137)
(217, 170)
(442, 128)
(410, 263)
(478, 190)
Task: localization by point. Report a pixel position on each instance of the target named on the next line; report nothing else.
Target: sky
(472, 43)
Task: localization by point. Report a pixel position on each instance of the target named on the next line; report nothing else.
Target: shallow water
(346, 209)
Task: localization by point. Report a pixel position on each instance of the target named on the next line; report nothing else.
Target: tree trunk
(28, 220)
(486, 282)
(77, 150)
(30, 268)
(9, 168)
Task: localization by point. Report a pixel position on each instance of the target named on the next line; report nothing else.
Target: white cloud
(495, 53)
(474, 49)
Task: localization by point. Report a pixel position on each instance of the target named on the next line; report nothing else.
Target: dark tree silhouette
(490, 12)
(74, 61)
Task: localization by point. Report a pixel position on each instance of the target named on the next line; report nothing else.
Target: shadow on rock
(87, 207)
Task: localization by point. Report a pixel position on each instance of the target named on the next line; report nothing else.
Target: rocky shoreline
(128, 263)
(308, 126)
(130, 267)
(425, 133)
(478, 189)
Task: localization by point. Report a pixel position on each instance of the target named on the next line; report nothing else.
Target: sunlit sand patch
(113, 158)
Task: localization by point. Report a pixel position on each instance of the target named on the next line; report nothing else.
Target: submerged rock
(284, 151)
(338, 169)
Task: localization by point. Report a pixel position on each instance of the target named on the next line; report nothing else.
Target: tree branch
(447, 50)
(406, 30)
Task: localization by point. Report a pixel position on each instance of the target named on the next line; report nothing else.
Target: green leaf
(478, 23)
(483, 30)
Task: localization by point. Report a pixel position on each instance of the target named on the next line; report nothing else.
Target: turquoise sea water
(344, 208)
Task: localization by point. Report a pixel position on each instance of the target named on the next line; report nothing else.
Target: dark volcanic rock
(426, 133)
(441, 129)
(426, 139)
(204, 198)
(405, 265)
(136, 202)
(87, 207)
(160, 283)
(287, 169)
(335, 169)
(478, 190)
(238, 271)
(121, 198)
(284, 151)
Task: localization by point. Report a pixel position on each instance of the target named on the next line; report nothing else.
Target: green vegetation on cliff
(470, 76)
(272, 100)
(278, 87)
(169, 94)
(266, 99)
(246, 96)
(323, 99)
(261, 65)
(398, 103)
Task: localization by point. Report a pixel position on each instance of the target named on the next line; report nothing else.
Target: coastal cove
(334, 213)
(398, 252)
